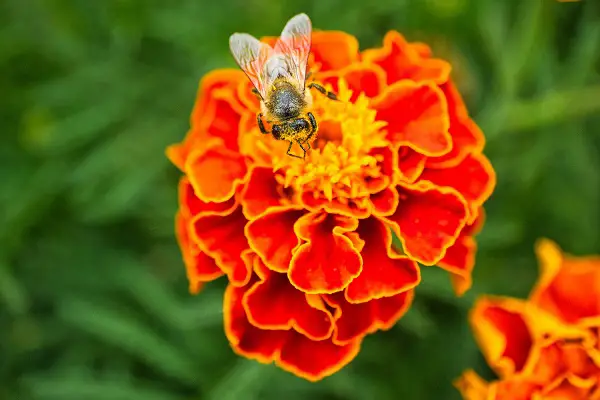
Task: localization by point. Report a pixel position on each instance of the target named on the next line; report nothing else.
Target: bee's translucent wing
(293, 47)
(251, 55)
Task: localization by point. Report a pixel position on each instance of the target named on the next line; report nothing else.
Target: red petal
(246, 339)
(215, 172)
(466, 135)
(384, 272)
(328, 261)
(191, 205)
(199, 267)
(360, 78)
(357, 320)
(428, 220)
(274, 304)
(220, 234)
(271, 235)
(334, 49)
(410, 164)
(502, 333)
(460, 261)
(417, 116)
(260, 192)
(401, 61)
(385, 202)
(314, 360)
(474, 178)
(357, 207)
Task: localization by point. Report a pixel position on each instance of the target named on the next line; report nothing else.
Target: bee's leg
(324, 91)
(303, 150)
(290, 148)
(313, 122)
(261, 126)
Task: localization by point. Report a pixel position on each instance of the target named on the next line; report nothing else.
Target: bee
(279, 76)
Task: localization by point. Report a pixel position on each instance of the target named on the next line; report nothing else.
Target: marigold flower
(546, 347)
(306, 244)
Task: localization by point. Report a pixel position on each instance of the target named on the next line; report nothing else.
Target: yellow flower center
(339, 164)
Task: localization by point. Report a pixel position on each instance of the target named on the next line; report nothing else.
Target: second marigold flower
(307, 244)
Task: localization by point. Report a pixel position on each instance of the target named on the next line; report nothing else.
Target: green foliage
(93, 297)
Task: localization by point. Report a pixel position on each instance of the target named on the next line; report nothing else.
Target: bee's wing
(294, 44)
(251, 55)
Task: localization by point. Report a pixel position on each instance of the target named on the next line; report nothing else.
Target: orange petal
(466, 136)
(274, 304)
(246, 339)
(460, 261)
(422, 122)
(200, 268)
(215, 172)
(569, 287)
(385, 202)
(410, 164)
(368, 79)
(334, 49)
(357, 320)
(260, 192)
(328, 261)
(428, 221)
(401, 61)
(502, 333)
(384, 272)
(220, 234)
(271, 235)
(474, 178)
(315, 360)
(472, 387)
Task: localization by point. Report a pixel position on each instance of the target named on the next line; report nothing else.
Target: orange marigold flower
(307, 244)
(546, 347)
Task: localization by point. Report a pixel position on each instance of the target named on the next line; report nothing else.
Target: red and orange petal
(428, 220)
(291, 350)
(568, 287)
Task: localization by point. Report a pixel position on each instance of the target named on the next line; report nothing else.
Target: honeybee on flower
(279, 76)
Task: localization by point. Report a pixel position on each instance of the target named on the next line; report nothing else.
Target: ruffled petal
(416, 116)
(385, 202)
(246, 339)
(401, 61)
(410, 164)
(333, 50)
(466, 136)
(428, 221)
(459, 259)
(220, 234)
(569, 287)
(190, 205)
(368, 79)
(271, 235)
(260, 192)
(384, 272)
(274, 304)
(328, 261)
(474, 178)
(200, 268)
(315, 360)
(215, 172)
(357, 320)
(502, 333)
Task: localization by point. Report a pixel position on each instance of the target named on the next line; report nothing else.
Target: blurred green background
(93, 296)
